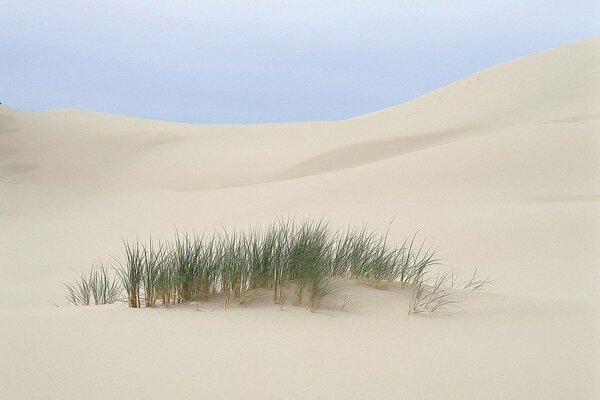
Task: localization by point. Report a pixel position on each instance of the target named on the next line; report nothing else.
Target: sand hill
(500, 169)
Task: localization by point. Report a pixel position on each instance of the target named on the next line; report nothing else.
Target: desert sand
(501, 170)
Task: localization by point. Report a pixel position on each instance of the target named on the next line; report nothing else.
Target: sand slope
(501, 169)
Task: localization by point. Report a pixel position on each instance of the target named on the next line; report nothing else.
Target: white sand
(501, 169)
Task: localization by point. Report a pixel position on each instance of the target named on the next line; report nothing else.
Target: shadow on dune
(368, 152)
(9, 168)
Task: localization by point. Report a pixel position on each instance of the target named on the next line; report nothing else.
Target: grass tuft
(289, 257)
(131, 271)
(429, 298)
(97, 286)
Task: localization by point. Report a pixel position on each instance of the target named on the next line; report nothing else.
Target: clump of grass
(105, 287)
(164, 285)
(131, 271)
(153, 260)
(80, 293)
(320, 287)
(430, 297)
(97, 286)
(288, 257)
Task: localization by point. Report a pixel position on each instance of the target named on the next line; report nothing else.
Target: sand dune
(500, 169)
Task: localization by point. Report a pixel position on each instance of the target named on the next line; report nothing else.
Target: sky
(263, 61)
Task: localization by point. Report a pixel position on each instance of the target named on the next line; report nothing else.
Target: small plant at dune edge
(429, 295)
(301, 259)
(429, 298)
(98, 286)
(473, 283)
(79, 292)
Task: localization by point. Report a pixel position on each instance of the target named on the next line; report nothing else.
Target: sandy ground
(500, 169)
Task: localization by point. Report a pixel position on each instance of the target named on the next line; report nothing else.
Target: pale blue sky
(263, 61)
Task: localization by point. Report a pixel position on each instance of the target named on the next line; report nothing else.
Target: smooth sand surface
(500, 169)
